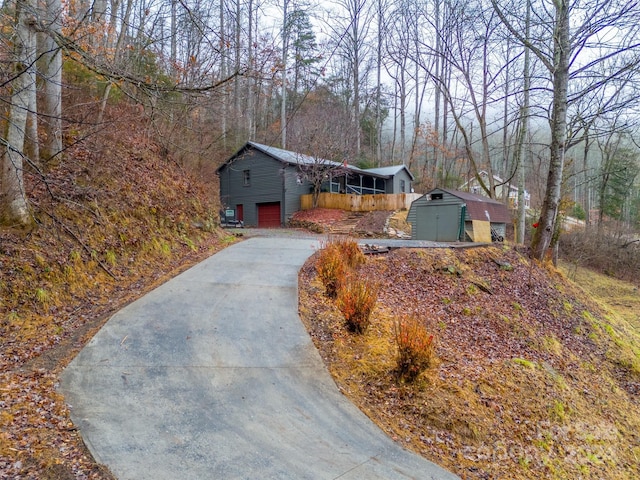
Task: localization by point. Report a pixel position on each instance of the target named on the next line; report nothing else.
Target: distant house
(261, 185)
(444, 215)
(502, 189)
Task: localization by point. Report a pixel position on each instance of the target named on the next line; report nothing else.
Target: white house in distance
(473, 186)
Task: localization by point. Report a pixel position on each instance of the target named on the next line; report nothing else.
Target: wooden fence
(360, 203)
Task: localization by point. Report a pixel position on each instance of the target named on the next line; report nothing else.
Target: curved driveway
(213, 376)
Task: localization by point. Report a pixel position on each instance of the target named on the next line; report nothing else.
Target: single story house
(261, 185)
(444, 215)
(502, 189)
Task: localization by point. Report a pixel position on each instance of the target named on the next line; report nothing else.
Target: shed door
(269, 215)
(438, 223)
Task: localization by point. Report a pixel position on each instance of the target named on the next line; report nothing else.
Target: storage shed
(444, 215)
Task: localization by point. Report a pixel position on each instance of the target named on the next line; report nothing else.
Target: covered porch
(357, 184)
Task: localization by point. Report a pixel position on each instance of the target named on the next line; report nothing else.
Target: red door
(240, 213)
(269, 215)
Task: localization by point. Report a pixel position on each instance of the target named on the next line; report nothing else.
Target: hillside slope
(534, 380)
(114, 218)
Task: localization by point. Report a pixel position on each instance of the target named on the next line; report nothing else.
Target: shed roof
(480, 207)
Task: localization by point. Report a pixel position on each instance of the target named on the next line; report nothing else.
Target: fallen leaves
(522, 370)
(110, 227)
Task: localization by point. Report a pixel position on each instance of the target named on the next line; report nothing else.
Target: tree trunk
(51, 67)
(32, 145)
(379, 86)
(14, 209)
(437, 95)
(586, 188)
(99, 10)
(223, 73)
(116, 57)
(505, 116)
(174, 35)
(524, 132)
(237, 114)
(403, 113)
(356, 84)
(285, 49)
(543, 235)
(250, 83)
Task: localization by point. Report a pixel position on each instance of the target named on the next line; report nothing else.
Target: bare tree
(319, 133)
(523, 131)
(472, 89)
(573, 42)
(14, 209)
(380, 36)
(51, 70)
(285, 55)
(350, 27)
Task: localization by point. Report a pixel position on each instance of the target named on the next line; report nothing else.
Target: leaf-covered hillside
(533, 380)
(113, 218)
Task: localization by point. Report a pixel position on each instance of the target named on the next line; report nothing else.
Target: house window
(402, 186)
(246, 177)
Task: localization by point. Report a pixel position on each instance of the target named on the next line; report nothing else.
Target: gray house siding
(398, 178)
(274, 182)
(294, 187)
(265, 184)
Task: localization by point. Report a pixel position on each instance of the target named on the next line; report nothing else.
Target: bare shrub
(415, 348)
(331, 269)
(617, 256)
(350, 251)
(356, 300)
(337, 256)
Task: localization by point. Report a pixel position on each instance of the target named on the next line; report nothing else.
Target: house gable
(502, 190)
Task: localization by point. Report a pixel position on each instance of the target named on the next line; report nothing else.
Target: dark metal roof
(480, 207)
(292, 157)
(390, 171)
(295, 158)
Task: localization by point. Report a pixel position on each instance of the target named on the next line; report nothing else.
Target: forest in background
(538, 93)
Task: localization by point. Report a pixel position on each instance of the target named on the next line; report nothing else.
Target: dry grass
(621, 296)
(398, 221)
(533, 380)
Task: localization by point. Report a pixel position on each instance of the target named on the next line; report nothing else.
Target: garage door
(269, 215)
(438, 223)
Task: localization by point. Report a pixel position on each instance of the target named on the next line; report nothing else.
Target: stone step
(348, 225)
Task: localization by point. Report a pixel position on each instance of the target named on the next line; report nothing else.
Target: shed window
(246, 177)
(436, 196)
(402, 186)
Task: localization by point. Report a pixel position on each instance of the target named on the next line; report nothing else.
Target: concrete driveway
(213, 376)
